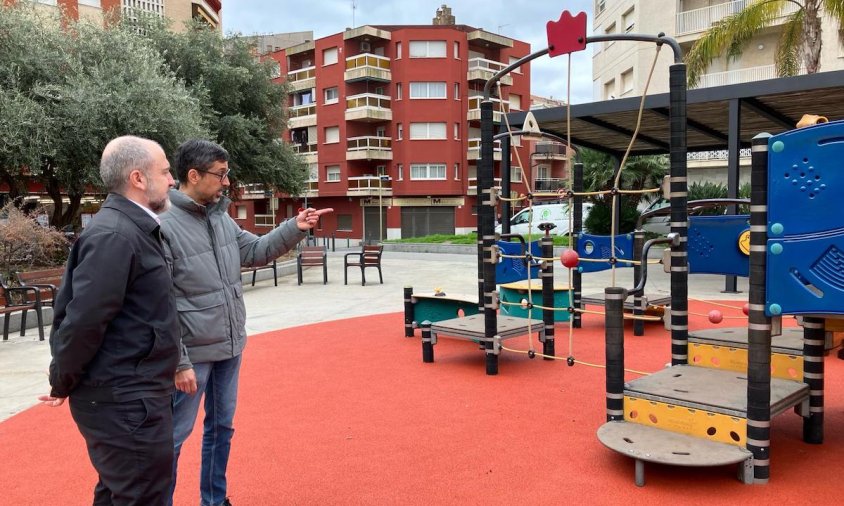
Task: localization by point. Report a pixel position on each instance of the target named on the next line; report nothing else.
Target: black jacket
(115, 333)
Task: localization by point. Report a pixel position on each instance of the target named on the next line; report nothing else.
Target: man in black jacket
(115, 337)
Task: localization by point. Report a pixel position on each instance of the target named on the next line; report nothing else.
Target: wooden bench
(312, 256)
(17, 299)
(45, 281)
(254, 271)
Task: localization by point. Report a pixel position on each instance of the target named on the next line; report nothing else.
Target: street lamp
(381, 180)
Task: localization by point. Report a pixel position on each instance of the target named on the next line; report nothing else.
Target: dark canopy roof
(772, 106)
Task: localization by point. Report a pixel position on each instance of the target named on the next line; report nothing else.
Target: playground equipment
(795, 260)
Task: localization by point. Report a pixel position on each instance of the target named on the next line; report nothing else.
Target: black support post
(577, 276)
(547, 275)
(427, 344)
(813, 375)
(759, 325)
(614, 330)
(638, 298)
(408, 311)
(679, 216)
(486, 237)
(733, 148)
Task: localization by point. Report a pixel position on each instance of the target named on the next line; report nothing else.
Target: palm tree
(799, 44)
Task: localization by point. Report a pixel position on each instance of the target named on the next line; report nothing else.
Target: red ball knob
(715, 316)
(746, 308)
(570, 258)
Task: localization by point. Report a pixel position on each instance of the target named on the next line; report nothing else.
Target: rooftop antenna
(354, 7)
(502, 26)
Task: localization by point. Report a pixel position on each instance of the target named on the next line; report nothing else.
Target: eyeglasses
(219, 175)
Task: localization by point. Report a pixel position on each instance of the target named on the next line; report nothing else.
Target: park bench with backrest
(19, 300)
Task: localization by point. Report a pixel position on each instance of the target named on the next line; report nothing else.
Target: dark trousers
(131, 447)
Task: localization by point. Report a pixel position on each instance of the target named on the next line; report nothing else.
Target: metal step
(712, 390)
(650, 444)
(789, 343)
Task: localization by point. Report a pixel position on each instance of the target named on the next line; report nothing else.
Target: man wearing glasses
(206, 250)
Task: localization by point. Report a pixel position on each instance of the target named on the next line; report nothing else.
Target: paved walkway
(24, 360)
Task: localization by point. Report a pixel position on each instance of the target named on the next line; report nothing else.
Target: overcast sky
(519, 19)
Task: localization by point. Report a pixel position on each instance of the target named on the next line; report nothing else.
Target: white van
(558, 214)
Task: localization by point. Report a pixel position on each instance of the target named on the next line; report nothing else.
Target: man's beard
(160, 206)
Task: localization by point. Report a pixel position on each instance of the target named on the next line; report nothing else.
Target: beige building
(620, 69)
(178, 11)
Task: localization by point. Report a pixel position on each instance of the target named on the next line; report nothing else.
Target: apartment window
(609, 89)
(91, 3)
(427, 90)
(241, 210)
(329, 56)
(609, 31)
(456, 91)
(456, 50)
(398, 50)
(427, 171)
(627, 81)
(313, 172)
(515, 174)
(457, 172)
(427, 49)
(332, 135)
(399, 131)
(332, 173)
(600, 5)
(427, 131)
(515, 102)
(400, 170)
(331, 95)
(344, 222)
(627, 20)
(514, 59)
(398, 91)
(457, 131)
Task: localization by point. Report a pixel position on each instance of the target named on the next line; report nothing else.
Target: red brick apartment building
(388, 120)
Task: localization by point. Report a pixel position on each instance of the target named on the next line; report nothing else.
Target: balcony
(474, 149)
(550, 184)
(308, 152)
(254, 191)
(472, 189)
(302, 79)
(699, 20)
(367, 66)
(474, 113)
(369, 147)
(481, 69)
(549, 151)
(739, 76)
(368, 107)
(301, 116)
(364, 186)
(487, 39)
(312, 190)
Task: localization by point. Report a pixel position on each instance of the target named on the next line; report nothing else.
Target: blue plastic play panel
(599, 247)
(715, 245)
(509, 270)
(805, 249)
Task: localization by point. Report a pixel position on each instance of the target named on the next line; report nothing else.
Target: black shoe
(226, 502)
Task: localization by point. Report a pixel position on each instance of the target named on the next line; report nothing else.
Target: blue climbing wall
(714, 245)
(805, 250)
(598, 246)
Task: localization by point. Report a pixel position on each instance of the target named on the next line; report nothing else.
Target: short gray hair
(120, 157)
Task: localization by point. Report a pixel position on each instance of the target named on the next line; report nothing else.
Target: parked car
(558, 214)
